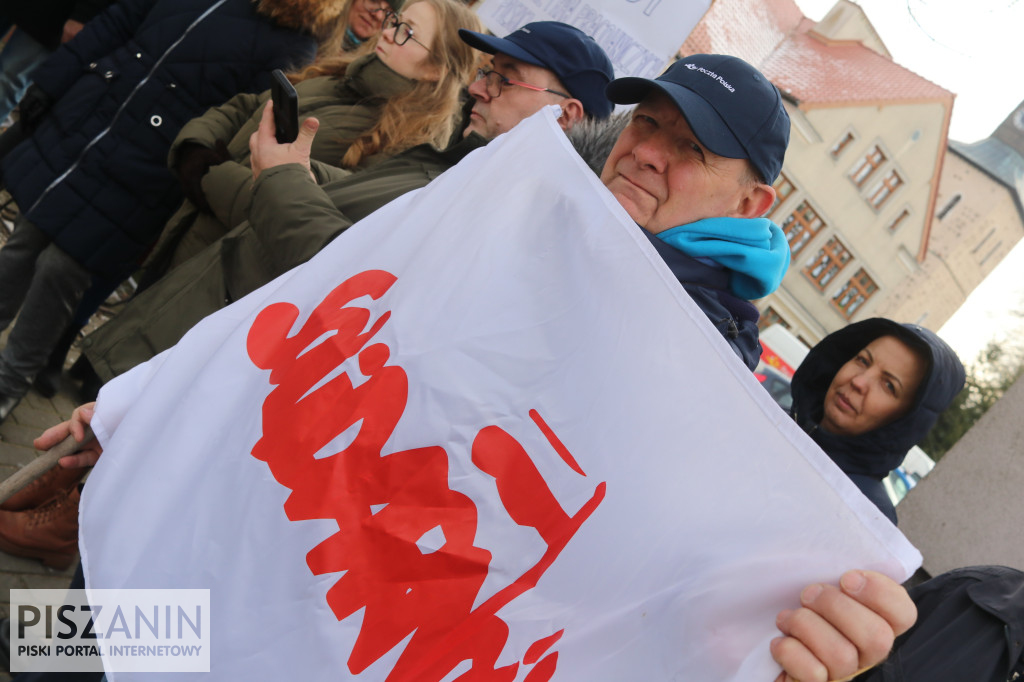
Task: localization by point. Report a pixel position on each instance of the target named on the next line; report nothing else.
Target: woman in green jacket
(399, 90)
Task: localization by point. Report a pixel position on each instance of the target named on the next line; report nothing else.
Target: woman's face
(365, 17)
(412, 58)
(875, 387)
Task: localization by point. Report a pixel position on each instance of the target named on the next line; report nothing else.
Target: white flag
(483, 435)
(640, 36)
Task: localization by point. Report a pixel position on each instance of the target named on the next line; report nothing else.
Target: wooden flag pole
(41, 464)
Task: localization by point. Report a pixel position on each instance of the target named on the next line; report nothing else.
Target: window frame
(857, 284)
(831, 259)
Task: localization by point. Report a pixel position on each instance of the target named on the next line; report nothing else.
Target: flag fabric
(640, 36)
(483, 435)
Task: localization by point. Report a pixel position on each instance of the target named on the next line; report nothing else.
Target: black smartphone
(286, 107)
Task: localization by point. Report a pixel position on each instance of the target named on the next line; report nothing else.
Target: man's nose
(478, 89)
(650, 153)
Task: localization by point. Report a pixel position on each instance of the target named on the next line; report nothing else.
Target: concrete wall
(970, 509)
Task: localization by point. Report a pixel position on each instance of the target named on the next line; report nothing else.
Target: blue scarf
(352, 37)
(754, 250)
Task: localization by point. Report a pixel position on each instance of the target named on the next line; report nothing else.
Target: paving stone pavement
(33, 415)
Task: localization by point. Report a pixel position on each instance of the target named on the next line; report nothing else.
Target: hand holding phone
(286, 108)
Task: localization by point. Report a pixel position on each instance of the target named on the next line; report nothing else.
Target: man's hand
(80, 418)
(267, 152)
(71, 29)
(841, 631)
(32, 108)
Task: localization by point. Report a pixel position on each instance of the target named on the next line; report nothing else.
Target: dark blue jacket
(93, 176)
(869, 457)
(708, 286)
(970, 628)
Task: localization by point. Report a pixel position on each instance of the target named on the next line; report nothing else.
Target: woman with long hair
(400, 89)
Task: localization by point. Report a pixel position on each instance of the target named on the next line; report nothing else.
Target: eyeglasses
(403, 31)
(494, 82)
(375, 6)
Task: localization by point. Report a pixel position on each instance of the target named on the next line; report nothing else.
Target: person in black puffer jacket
(970, 628)
(92, 181)
(869, 392)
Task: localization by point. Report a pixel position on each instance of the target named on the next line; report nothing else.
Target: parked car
(916, 465)
(776, 383)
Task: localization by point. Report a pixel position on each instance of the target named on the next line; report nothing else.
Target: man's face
(492, 116)
(664, 177)
(366, 16)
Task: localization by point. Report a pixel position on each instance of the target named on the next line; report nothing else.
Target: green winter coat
(345, 107)
(290, 220)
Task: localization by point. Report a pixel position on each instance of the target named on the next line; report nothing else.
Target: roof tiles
(814, 71)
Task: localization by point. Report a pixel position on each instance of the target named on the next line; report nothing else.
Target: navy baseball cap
(732, 108)
(576, 58)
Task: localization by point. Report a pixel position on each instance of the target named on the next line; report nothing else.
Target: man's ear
(572, 113)
(758, 198)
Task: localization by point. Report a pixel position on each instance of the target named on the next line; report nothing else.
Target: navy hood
(875, 453)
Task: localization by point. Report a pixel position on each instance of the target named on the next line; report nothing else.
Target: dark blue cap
(573, 56)
(732, 108)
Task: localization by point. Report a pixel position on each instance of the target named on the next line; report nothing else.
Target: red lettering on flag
(405, 538)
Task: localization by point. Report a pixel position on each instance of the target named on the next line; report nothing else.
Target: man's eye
(642, 119)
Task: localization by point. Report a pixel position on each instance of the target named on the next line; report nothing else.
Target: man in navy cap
(545, 62)
(694, 168)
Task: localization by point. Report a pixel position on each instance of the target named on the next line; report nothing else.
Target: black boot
(7, 405)
(47, 382)
(91, 383)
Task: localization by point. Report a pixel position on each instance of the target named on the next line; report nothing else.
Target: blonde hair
(427, 113)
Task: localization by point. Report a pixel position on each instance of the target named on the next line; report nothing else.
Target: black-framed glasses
(403, 31)
(375, 6)
(494, 82)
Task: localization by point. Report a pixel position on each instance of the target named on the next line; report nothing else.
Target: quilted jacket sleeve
(218, 123)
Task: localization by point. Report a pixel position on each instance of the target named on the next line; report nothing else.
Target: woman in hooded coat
(869, 392)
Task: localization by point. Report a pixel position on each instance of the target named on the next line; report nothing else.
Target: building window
(854, 293)
(899, 220)
(783, 188)
(838, 147)
(881, 192)
(769, 317)
(832, 258)
(948, 207)
(867, 166)
(983, 240)
(800, 226)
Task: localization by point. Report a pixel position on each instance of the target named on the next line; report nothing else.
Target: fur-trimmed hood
(316, 17)
(594, 138)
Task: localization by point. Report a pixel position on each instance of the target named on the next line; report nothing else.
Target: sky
(972, 49)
